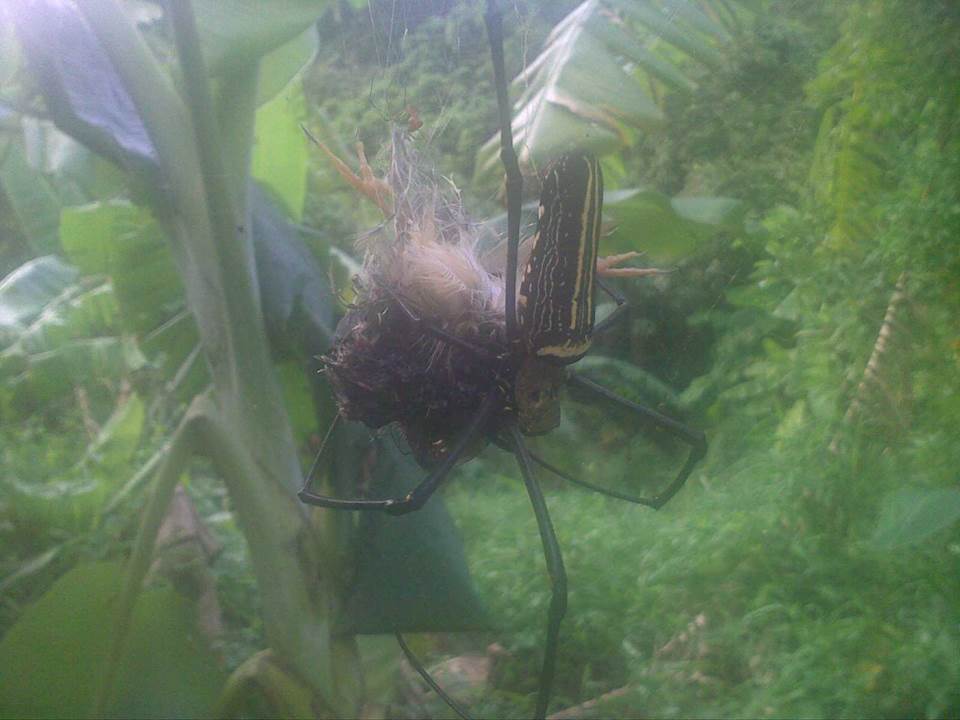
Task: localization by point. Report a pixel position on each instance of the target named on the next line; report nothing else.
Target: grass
(726, 603)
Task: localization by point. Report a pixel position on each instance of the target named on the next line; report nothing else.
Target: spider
(459, 355)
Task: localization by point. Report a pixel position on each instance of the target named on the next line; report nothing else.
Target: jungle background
(794, 165)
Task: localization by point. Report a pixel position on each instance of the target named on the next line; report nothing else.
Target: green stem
(261, 673)
(245, 428)
(222, 205)
(236, 109)
(282, 549)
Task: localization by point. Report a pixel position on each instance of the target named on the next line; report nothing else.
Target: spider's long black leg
(416, 498)
(315, 465)
(649, 502)
(622, 305)
(558, 576)
(695, 438)
(509, 158)
(422, 671)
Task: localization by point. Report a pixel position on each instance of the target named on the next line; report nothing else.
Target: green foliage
(31, 198)
(235, 31)
(672, 228)
(808, 569)
(124, 242)
(792, 623)
(54, 657)
(910, 516)
(588, 87)
(829, 268)
(280, 153)
(439, 66)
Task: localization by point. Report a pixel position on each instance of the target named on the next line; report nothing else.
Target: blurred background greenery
(795, 165)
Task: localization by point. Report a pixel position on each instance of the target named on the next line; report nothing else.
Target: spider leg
(508, 156)
(607, 267)
(558, 576)
(695, 438)
(620, 299)
(415, 499)
(422, 671)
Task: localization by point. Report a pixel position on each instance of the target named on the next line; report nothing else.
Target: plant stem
(236, 108)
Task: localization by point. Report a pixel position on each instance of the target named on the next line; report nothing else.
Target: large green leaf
(282, 65)
(32, 198)
(411, 573)
(69, 342)
(77, 313)
(666, 229)
(630, 381)
(54, 657)
(910, 516)
(113, 449)
(238, 31)
(28, 290)
(124, 242)
(581, 90)
(280, 154)
(71, 499)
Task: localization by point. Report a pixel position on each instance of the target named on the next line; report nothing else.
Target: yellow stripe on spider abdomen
(556, 308)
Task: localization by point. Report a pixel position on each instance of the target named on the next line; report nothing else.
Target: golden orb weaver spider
(476, 357)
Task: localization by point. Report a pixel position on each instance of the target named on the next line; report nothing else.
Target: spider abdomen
(556, 298)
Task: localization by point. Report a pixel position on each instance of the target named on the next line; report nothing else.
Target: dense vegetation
(808, 569)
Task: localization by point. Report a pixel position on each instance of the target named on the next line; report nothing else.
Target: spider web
(415, 60)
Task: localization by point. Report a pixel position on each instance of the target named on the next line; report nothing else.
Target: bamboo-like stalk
(874, 372)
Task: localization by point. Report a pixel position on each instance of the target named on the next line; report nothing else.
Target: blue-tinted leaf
(411, 573)
(83, 92)
(297, 302)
